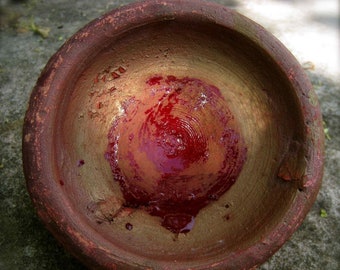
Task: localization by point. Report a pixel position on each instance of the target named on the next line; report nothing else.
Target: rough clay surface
(309, 28)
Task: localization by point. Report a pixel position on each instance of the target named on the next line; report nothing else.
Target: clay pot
(173, 135)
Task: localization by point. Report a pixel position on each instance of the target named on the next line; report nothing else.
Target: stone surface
(31, 31)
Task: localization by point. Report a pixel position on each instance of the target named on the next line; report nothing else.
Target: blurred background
(30, 33)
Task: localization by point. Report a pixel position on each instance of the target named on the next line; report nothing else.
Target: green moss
(39, 30)
(326, 131)
(323, 213)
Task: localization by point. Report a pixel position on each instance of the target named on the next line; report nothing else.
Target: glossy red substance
(175, 149)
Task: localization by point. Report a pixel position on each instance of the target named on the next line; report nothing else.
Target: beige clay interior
(259, 98)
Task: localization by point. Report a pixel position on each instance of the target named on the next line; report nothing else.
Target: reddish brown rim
(39, 166)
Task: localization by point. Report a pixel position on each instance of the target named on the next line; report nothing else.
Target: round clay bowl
(173, 135)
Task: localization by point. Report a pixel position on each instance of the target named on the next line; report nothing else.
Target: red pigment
(175, 149)
(80, 163)
(121, 70)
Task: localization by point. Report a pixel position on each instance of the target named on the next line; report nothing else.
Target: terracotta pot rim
(53, 207)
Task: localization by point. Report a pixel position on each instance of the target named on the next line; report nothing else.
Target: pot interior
(265, 112)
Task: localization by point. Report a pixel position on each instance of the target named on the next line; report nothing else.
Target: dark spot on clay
(129, 226)
(80, 163)
(213, 197)
(61, 182)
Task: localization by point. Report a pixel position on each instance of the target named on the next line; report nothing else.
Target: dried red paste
(175, 149)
